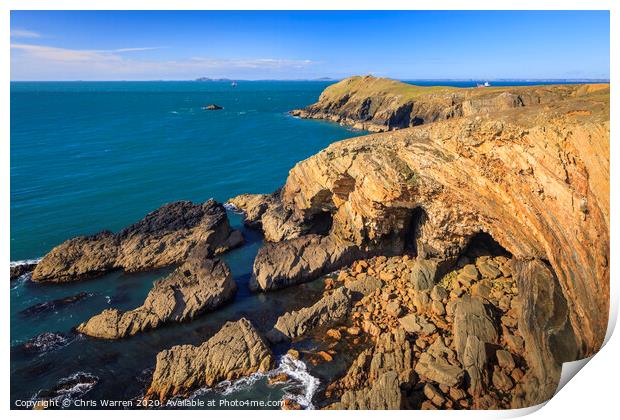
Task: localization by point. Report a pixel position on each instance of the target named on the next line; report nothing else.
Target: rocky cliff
(535, 178)
(379, 104)
(164, 237)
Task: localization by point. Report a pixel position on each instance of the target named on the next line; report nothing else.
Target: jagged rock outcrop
(237, 350)
(535, 178)
(379, 104)
(199, 285)
(164, 237)
(547, 332)
(266, 212)
(253, 207)
(328, 309)
(297, 260)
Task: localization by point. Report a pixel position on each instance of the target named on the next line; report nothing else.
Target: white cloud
(42, 62)
(23, 33)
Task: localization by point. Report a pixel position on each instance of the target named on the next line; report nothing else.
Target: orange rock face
(536, 178)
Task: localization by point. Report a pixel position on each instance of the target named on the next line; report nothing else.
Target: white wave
(296, 370)
(71, 388)
(229, 387)
(233, 208)
(25, 262)
(21, 280)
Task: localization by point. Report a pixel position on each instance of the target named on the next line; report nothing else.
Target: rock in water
(54, 305)
(212, 107)
(19, 270)
(164, 237)
(197, 286)
(237, 350)
(329, 309)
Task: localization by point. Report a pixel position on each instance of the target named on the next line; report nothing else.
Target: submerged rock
(54, 305)
(237, 350)
(18, 270)
(164, 237)
(45, 342)
(199, 285)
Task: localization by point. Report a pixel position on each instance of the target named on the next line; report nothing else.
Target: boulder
(438, 370)
(328, 309)
(475, 363)
(199, 285)
(391, 353)
(505, 360)
(299, 260)
(237, 350)
(471, 319)
(426, 273)
(417, 324)
(363, 287)
(164, 237)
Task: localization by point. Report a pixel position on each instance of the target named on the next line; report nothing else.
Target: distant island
(208, 79)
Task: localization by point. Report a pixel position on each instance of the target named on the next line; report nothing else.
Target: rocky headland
(164, 237)
(379, 104)
(526, 169)
(474, 228)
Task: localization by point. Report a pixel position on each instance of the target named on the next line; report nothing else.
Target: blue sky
(179, 45)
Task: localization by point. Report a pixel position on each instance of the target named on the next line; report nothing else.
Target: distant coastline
(327, 79)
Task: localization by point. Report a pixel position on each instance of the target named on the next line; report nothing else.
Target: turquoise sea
(87, 156)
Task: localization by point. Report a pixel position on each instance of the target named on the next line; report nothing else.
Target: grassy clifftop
(379, 104)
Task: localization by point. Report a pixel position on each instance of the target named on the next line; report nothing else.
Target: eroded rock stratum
(535, 178)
